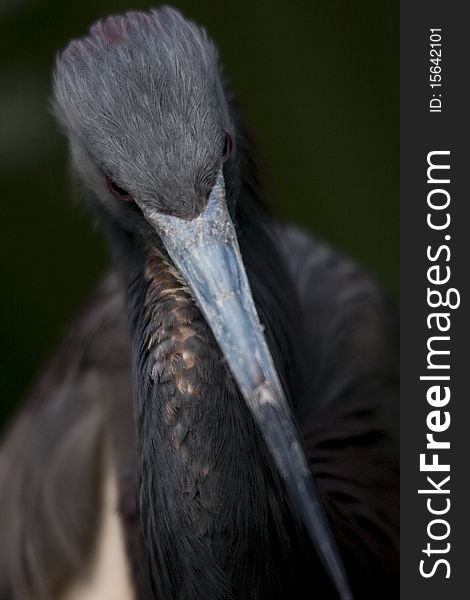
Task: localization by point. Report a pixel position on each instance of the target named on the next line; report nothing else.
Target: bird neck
(211, 506)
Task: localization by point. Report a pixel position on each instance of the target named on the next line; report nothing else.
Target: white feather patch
(109, 577)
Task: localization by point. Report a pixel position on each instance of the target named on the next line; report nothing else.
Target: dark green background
(318, 82)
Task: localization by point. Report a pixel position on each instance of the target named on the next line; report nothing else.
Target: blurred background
(318, 82)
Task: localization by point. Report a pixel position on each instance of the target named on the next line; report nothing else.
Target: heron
(221, 420)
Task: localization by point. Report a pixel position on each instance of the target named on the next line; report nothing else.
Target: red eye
(228, 147)
(117, 191)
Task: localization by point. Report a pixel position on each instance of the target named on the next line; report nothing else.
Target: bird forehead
(141, 95)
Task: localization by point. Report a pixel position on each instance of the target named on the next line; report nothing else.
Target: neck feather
(212, 509)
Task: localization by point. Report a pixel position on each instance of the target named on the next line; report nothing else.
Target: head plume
(142, 93)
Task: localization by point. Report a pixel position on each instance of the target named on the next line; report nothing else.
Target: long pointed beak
(205, 251)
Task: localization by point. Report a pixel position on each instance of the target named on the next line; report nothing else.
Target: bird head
(142, 102)
(152, 139)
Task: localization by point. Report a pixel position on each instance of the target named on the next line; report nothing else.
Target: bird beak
(206, 253)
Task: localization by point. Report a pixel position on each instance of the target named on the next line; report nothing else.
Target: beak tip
(206, 253)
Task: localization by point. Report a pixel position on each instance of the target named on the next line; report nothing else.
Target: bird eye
(228, 147)
(117, 191)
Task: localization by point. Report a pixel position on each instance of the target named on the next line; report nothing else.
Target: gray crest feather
(142, 93)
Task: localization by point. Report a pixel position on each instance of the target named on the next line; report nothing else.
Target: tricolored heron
(224, 360)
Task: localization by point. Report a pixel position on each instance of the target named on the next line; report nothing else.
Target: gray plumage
(140, 81)
(145, 108)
